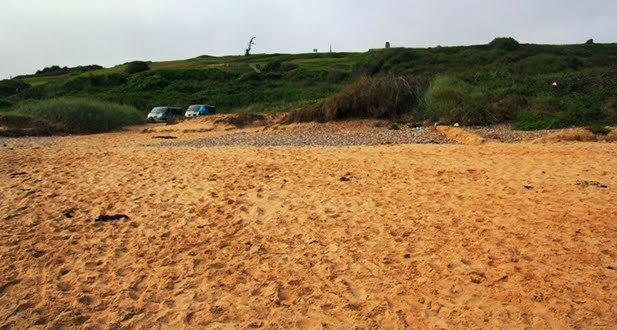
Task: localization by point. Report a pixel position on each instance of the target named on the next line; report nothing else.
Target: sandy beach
(397, 236)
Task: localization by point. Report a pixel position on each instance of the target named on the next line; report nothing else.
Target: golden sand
(492, 235)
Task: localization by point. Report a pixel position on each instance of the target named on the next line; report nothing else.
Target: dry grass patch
(381, 97)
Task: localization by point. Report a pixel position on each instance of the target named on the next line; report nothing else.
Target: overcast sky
(39, 33)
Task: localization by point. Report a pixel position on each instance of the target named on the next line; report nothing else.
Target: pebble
(504, 133)
(318, 136)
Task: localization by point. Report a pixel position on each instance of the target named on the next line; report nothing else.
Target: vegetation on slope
(73, 116)
(12, 124)
(227, 85)
(532, 86)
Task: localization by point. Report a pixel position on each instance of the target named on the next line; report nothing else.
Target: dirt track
(496, 235)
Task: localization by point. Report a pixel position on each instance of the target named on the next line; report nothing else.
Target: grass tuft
(380, 97)
(81, 116)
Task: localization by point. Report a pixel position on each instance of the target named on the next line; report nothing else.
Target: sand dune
(495, 235)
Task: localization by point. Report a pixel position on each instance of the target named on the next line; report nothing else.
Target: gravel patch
(504, 133)
(320, 136)
(27, 141)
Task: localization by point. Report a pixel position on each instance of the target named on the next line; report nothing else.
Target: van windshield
(158, 110)
(193, 108)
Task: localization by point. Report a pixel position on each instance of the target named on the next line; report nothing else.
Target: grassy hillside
(227, 82)
(535, 86)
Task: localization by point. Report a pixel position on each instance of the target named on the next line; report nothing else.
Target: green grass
(80, 116)
(41, 80)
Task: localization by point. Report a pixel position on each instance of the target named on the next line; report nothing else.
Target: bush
(609, 110)
(250, 76)
(80, 116)
(10, 87)
(4, 104)
(303, 74)
(94, 82)
(599, 129)
(367, 97)
(336, 77)
(57, 70)
(22, 125)
(549, 111)
(505, 106)
(508, 44)
(449, 100)
(136, 66)
(272, 66)
(149, 81)
(288, 66)
(392, 61)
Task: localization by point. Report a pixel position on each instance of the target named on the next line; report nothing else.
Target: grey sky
(39, 33)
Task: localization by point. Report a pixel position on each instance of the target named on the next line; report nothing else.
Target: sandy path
(420, 235)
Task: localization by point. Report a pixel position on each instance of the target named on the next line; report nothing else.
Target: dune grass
(80, 116)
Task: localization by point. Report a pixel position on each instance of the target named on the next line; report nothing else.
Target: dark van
(164, 114)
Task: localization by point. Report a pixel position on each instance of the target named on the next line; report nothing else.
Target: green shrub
(287, 66)
(250, 76)
(549, 111)
(10, 87)
(272, 66)
(56, 70)
(392, 60)
(304, 74)
(505, 106)
(508, 44)
(444, 97)
(149, 81)
(545, 63)
(609, 109)
(136, 67)
(272, 76)
(530, 120)
(80, 116)
(599, 129)
(4, 104)
(336, 76)
(449, 100)
(22, 125)
(93, 82)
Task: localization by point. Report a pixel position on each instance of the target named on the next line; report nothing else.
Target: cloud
(35, 34)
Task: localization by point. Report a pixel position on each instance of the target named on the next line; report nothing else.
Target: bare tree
(247, 52)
